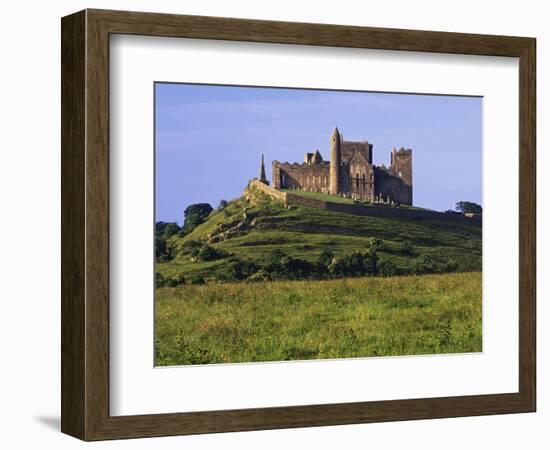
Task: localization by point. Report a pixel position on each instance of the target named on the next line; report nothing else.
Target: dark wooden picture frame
(85, 224)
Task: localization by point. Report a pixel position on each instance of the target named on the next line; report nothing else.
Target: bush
(233, 271)
(160, 247)
(450, 266)
(260, 275)
(162, 251)
(197, 279)
(338, 267)
(295, 268)
(166, 229)
(425, 264)
(161, 281)
(387, 269)
(236, 269)
(274, 257)
(325, 258)
(356, 264)
(189, 246)
(376, 244)
(370, 261)
(208, 253)
(405, 248)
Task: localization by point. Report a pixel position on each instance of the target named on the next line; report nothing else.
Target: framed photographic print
(270, 224)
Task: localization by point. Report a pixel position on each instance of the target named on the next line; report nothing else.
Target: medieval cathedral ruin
(350, 173)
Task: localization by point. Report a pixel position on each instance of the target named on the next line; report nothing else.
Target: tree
(208, 253)
(166, 229)
(160, 247)
(163, 231)
(325, 258)
(468, 207)
(237, 269)
(338, 267)
(370, 261)
(387, 268)
(223, 204)
(355, 263)
(194, 215)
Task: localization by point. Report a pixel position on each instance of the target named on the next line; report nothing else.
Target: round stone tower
(335, 158)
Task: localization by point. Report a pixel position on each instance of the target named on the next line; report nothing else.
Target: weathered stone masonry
(350, 173)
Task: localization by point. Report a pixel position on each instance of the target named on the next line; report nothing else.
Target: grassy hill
(254, 226)
(299, 306)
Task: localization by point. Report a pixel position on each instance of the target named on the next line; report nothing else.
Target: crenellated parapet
(350, 173)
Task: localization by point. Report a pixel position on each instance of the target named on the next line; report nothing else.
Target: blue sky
(209, 139)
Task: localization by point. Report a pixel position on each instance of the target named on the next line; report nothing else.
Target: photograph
(298, 224)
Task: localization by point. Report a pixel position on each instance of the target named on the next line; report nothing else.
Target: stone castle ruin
(350, 173)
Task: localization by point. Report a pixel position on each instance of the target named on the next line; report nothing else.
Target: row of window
(358, 180)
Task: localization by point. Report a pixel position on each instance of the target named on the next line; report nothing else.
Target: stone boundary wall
(368, 211)
(402, 213)
(269, 190)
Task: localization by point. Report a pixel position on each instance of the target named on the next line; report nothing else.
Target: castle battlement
(350, 172)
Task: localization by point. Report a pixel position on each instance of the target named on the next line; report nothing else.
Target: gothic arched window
(364, 180)
(357, 180)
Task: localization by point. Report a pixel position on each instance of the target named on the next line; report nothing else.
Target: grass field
(296, 320)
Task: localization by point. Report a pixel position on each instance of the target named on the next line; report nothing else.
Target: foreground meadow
(296, 320)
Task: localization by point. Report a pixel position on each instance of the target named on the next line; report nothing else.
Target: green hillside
(250, 232)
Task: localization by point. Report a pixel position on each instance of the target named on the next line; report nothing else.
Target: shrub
(162, 281)
(355, 263)
(236, 269)
(166, 229)
(179, 279)
(387, 269)
(425, 264)
(197, 279)
(295, 268)
(370, 261)
(325, 258)
(338, 267)
(405, 248)
(260, 275)
(274, 257)
(375, 243)
(160, 247)
(208, 253)
(162, 251)
(450, 266)
(189, 246)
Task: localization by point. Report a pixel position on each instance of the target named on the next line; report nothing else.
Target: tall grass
(296, 320)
